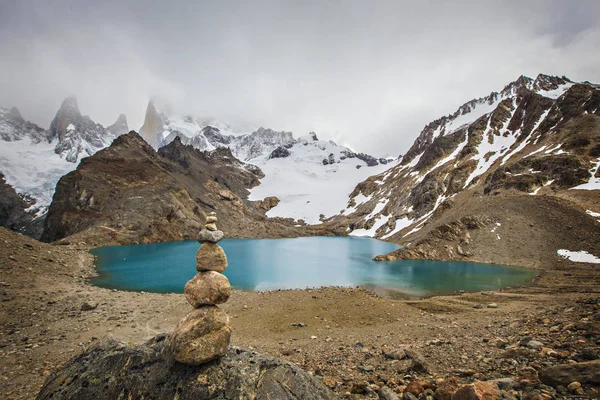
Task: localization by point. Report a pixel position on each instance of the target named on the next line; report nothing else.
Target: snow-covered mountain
(33, 159)
(311, 177)
(77, 135)
(537, 136)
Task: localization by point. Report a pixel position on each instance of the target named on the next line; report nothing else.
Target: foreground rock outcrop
(113, 370)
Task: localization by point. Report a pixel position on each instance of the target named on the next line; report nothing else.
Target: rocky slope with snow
(129, 193)
(33, 159)
(536, 138)
(312, 178)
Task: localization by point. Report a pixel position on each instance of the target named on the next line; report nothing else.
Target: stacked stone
(204, 334)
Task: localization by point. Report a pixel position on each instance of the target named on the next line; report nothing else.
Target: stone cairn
(204, 334)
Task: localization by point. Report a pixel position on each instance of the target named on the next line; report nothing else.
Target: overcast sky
(369, 74)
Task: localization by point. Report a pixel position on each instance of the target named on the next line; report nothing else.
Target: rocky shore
(538, 342)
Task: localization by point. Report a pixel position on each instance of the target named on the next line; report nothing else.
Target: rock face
(534, 139)
(152, 129)
(129, 193)
(111, 370)
(204, 333)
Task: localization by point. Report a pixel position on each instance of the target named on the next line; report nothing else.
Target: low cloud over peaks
(369, 74)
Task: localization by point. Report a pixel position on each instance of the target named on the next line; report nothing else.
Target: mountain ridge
(536, 137)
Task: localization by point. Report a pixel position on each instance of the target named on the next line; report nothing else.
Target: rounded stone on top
(210, 257)
(210, 236)
(212, 214)
(207, 288)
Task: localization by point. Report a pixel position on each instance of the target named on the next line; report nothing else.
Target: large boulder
(112, 370)
(203, 335)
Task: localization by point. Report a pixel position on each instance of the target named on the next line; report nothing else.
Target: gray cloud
(368, 74)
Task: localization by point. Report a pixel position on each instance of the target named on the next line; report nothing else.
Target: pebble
(534, 344)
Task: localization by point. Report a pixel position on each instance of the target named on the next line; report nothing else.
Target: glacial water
(267, 264)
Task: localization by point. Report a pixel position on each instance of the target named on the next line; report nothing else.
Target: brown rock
(203, 335)
(477, 391)
(446, 388)
(211, 219)
(415, 387)
(565, 374)
(207, 288)
(211, 227)
(227, 194)
(210, 257)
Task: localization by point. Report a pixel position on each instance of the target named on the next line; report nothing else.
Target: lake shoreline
(51, 316)
(299, 263)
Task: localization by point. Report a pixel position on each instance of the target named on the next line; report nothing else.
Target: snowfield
(305, 187)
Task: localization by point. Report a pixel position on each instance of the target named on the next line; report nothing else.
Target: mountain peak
(68, 114)
(549, 82)
(69, 105)
(152, 129)
(120, 126)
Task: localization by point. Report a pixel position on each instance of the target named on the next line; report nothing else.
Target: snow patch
(593, 214)
(379, 221)
(399, 225)
(578, 256)
(593, 183)
(556, 93)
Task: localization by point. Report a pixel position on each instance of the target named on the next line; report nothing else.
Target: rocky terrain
(129, 193)
(358, 344)
(14, 212)
(507, 179)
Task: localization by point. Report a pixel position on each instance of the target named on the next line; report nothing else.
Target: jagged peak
(15, 114)
(69, 106)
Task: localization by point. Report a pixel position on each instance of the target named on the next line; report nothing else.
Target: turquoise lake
(269, 264)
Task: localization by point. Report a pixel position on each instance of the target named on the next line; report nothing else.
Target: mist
(365, 74)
